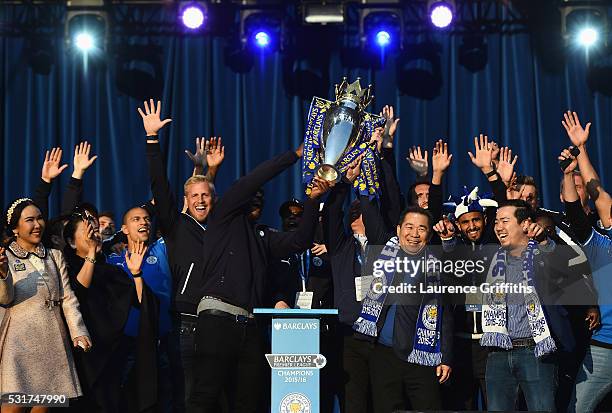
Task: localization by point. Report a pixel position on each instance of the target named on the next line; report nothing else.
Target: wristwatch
(92, 260)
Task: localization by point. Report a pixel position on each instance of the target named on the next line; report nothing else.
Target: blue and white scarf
(426, 345)
(372, 304)
(494, 309)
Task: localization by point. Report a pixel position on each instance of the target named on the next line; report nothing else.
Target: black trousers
(229, 358)
(467, 381)
(356, 364)
(397, 384)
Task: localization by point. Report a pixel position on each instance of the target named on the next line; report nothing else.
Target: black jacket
(183, 235)
(235, 256)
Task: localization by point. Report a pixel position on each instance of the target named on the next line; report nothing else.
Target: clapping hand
(82, 161)
(151, 119)
(51, 166)
(418, 161)
(576, 133)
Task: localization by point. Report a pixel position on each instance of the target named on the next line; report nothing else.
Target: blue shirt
(156, 274)
(598, 249)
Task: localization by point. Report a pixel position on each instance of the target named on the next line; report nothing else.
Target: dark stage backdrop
(517, 98)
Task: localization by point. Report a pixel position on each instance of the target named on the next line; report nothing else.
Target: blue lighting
(383, 38)
(262, 39)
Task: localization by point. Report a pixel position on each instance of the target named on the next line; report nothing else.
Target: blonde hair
(196, 179)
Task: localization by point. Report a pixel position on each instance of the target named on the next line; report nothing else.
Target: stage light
(441, 13)
(84, 41)
(587, 37)
(584, 24)
(86, 27)
(383, 38)
(262, 39)
(192, 17)
(381, 30)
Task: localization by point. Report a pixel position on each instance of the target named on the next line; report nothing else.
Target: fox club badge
(151, 259)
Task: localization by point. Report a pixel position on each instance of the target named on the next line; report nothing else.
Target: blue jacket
(156, 274)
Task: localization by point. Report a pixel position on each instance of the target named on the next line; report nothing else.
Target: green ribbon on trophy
(337, 133)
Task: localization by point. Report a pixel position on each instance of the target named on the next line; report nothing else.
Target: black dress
(105, 306)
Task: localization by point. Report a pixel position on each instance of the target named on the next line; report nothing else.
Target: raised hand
(134, 258)
(3, 263)
(215, 153)
(199, 157)
(440, 159)
(51, 166)
(418, 161)
(318, 187)
(81, 161)
(566, 154)
(445, 228)
(390, 126)
(353, 169)
(505, 166)
(576, 133)
(151, 119)
(483, 153)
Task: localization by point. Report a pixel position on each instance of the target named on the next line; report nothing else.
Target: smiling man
(155, 272)
(523, 330)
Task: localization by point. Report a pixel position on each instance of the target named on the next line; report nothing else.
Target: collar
(19, 252)
(195, 220)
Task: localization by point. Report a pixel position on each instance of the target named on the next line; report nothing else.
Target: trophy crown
(353, 91)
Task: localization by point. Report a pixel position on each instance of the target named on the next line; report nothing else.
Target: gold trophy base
(328, 173)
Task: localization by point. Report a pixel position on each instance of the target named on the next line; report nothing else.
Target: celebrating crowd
(158, 314)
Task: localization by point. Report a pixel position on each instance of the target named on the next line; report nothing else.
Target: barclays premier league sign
(295, 362)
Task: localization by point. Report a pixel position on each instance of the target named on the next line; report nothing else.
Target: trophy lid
(354, 92)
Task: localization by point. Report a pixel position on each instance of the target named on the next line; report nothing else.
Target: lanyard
(304, 267)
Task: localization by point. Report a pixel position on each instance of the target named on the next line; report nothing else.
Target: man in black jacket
(230, 280)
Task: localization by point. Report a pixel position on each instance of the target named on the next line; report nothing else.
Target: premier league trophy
(337, 133)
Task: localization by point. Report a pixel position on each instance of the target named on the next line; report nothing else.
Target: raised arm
(376, 230)
(440, 161)
(165, 204)
(598, 194)
(285, 243)
(240, 193)
(214, 158)
(333, 216)
(51, 169)
(575, 214)
(482, 158)
(74, 189)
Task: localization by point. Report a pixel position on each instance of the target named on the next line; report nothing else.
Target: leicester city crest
(430, 316)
